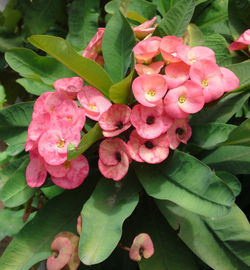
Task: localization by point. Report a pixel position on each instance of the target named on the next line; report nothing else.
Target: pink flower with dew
(147, 49)
(36, 172)
(192, 55)
(113, 159)
(69, 86)
(38, 126)
(39, 105)
(115, 120)
(168, 48)
(176, 74)
(144, 29)
(150, 122)
(94, 48)
(93, 102)
(148, 150)
(53, 144)
(70, 174)
(149, 89)
(142, 246)
(229, 79)
(68, 113)
(30, 145)
(183, 100)
(241, 43)
(208, 75)
(179, 132)
(153, 68)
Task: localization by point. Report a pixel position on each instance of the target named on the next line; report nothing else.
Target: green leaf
(194, 36)
(163, 6)
(40, 15)
(123, 7)
(222, 243)
(103, 215)
(52, 191)
(9, 40)
(2, 96)
(239, 18)
(118, 42)
(231, 158)
(14, 122)
(87, 140)
(83, 22)
(30, 65)
(34, 240)
(240, 135)
(192, 185)
(231, 180)
(176, 20)
(16, 192)
(84, 67)
(35, 87)
(222, 111)
(121, 91)
(242, 71)
(143, 7)
(210, 135)
(135, 17)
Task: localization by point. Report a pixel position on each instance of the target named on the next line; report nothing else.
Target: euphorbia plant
(134, 144)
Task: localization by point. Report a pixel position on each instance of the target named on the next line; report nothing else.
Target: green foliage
(231, 180)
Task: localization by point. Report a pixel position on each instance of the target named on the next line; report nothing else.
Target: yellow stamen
(52, 110)
(151, 93)
(182, 99)
(69, 119)
(92, 107)
(60, 144)
(66, 164)
(193, 60)
(204, 82)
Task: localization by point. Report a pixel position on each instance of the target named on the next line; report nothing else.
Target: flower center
(60, 144)
(149, 144)
(118, 156)
(204, 82)
(66, 164)
(151, 93)
(180, 131)
(120, 125)
(150, 120)
(182, 99)
(69, 118)
(52, 110)
(92, 107)
(192, 60)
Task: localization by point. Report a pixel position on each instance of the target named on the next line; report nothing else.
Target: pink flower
(192, 55)
(53, 144)
(183, 100)
(153, 68)
(39, 104)
(229, 79)
(38, 126)
(176, 74)
(150, 122)
(35, 172)
(94, 48)
(70, 174)
(149, 89)
(115, 120)
(148, 150)
(93, 102)
(179, 132)
(241, 43)
(69, 86)
(30, 144)
(168, 48)
(208, 75)
(113, 159)
(68, 114)
(142, 30)
(147, 49)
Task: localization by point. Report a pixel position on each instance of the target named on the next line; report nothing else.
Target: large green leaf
(103, 215)
(231, 180)
(231, 158)
(222, 243)
(118, 42)
(210, 135)
(189, 183)
(121, 91)
(239, 16)
(35, 87)
(240, 135)
(30, 65)
(176, 20)
(14, 122)
(16, 191)
(83, 22)
(87, 140)
(84, 67)
(222, 111)
(193, 36)
(33, 241)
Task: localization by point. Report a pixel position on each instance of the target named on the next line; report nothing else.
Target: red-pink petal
(229, 80)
